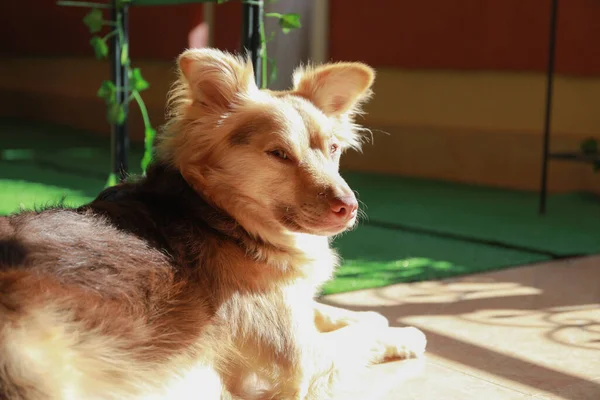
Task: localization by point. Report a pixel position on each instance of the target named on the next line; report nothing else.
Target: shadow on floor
(553, 304)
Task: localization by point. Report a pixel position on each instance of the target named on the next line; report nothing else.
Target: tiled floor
(524, 333)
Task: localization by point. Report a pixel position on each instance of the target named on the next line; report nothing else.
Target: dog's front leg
(329, 318)
(333, 361)
(394, 342)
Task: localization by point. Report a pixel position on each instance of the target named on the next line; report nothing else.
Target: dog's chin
(330, 229)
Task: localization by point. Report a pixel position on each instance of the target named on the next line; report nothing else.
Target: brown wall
(465, 34)
(441, 34)
(228, 26)
(41, 28)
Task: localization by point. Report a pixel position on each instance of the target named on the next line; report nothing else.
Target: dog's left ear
(335, 88)
(216, 79)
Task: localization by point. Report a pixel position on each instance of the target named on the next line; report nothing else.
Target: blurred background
(452, 181)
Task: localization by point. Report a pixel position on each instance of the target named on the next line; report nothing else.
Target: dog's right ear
(216, 79)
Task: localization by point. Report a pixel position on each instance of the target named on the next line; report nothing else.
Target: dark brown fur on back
(127, 256)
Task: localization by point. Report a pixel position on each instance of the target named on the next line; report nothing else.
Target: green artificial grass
(28, 186)
(375, 257)
(60, 148)
(417, 229)
(571, 225)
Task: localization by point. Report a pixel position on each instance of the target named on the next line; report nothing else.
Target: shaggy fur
(197, 282)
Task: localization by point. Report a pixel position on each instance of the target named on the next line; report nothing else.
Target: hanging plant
(116, 112)
(287, 22)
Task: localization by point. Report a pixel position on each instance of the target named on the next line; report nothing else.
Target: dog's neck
(279, 248)
(170, 215)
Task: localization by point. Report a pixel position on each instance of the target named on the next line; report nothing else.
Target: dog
(198, 281)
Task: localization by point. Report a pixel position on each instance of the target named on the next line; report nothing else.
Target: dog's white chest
(199, 382)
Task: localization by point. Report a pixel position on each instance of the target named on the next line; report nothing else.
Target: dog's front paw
(369, 319)
(401, 343)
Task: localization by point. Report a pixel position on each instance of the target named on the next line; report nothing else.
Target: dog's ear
(335, 88)
(216, 79)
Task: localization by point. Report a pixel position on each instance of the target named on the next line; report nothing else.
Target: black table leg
(548, 113)
(120, 135)
(251, 42)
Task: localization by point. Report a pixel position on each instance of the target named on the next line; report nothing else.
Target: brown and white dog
(198, 281)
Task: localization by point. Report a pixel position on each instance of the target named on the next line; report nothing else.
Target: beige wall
(479, 127)
(484, 100)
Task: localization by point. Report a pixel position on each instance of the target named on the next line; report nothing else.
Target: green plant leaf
(100, 47)
(589, 146)
(289, 21)
(146, 160)
(273, 15)
(93, 20)
(125, 54)
(116, 114)
(149, 135)
(136, 81)
(273, 73)
(111, 181)
(108, 92)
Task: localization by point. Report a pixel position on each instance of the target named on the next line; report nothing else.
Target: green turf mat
(375, 257)
(29, 186)
(571, 225)
(64, 148)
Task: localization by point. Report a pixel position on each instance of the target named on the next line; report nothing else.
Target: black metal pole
(548, 116)
(120, 136)
(251, 43)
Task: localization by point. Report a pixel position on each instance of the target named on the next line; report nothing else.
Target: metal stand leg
(548, 116)
(120, 136)
(252, 18)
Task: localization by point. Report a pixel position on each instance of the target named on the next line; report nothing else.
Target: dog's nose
(344, 207)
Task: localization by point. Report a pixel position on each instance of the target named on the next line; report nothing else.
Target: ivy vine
(116, 111)
(287, 22)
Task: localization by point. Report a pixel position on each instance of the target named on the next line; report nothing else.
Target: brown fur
(198, 280)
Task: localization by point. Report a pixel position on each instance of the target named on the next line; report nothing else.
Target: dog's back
(95, 295)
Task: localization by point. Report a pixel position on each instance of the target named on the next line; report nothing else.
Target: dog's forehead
(304, 121)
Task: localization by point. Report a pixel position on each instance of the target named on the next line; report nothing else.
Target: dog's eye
(279, 154)
(334, 147)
